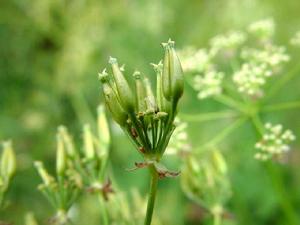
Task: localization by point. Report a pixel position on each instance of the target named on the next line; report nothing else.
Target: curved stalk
(152, 195)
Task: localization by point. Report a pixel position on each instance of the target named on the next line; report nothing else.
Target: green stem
(207, 116)
(225, 132)
(230, 102)
(280, 106)
(217, 219)
(104, 215)
(284, 79)
(152, 194)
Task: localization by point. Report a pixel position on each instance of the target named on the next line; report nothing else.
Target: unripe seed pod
(140, 93)
(68, 142)
(47, 179)
(8, 161)
(124, 92)
(61, 158)
(219, 162)
(166, 76)
(89, 148)
(176, 74)
(103, 128)
(112, 101)
(172, 77)
(150, 99)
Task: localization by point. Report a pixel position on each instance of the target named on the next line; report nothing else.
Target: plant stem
(201, 117)
(217, 219)
(104, 216)
(230, 102)
(152, 195)
(280, 106)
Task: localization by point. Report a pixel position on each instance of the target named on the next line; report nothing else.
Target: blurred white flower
(272, 55)
(227, 42)
(295, 40)
(250, 78)
(194, 60)
(209, 84)
(275, 142)
(262, 29)
(179, 140)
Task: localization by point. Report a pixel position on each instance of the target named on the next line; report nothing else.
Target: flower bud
(47, 179)
(8, 161)
(61, 158)
(103, 128)
(140, 93)
(89, 148)
(112, 101)
(219, 162)
(67, 140)
(150, 99)
(124, 92)
(172, 73)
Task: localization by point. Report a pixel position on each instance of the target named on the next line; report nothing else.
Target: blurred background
(50, 54)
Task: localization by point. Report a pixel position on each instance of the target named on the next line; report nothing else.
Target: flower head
(146, 118)
(295, 40)
(275, 142)
(262, 29)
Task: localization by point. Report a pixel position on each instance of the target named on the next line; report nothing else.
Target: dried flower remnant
(295, 40)
(275, 142)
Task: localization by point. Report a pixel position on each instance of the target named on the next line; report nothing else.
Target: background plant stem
(152, 195)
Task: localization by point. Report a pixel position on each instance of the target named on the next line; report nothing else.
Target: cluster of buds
(148, 119)
(262, 29)
(205, 180)
(7, 168)
(275, 142)
(295, 40)
(75, 170)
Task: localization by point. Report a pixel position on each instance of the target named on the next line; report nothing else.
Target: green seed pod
(140, 93)
(176, 75)
(112, 101)
(219, 162)
(8, 161)
(47, 179)
(124, 92)
(166, 76)
(103, 128)
(172, 77)
(89, 148)
(61, 158)
(67, 140)
(150, 99)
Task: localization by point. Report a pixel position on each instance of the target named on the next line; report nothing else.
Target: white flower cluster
(179, 139)
(194, 60)
(250, 78)
(296, 39)
(271, 55)
(229, 41)
(209, 84)
(262, 29)
(260, 64)
(274, 143)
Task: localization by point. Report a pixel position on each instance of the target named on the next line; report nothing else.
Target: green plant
(146, 119)
(8, 166)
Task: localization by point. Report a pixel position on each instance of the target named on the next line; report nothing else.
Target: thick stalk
(152, 195)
